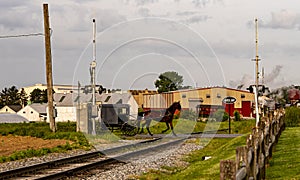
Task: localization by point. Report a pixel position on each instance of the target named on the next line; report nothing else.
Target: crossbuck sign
(229, 100)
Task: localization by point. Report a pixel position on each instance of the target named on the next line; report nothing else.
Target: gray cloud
(196, 19)
(12, 3)
(145, 2)
(14, 17)
(237, 49)
(204, 3)
(145, 12)
(111, 17)
(186, 13)
(81, 20)
(284, 19)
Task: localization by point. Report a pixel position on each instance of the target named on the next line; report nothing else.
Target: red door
(246, 108)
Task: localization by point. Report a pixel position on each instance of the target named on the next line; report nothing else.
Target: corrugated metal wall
(158, 101)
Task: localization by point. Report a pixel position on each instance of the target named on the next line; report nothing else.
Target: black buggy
(116, 116)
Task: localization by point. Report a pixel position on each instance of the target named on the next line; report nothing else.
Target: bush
(292, 117)
(220, 115)
(66, 126)
(237, 115)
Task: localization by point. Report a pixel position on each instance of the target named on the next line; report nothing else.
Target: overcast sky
(209, 42)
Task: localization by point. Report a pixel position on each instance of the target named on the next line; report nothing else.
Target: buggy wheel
(128, 129)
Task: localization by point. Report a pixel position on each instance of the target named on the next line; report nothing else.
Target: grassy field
(285, 163)
(218, 149)
(188, 126)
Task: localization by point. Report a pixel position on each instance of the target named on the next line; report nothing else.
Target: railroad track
(66, 167)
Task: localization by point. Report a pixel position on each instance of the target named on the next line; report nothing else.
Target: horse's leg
(167, 128)
(148, 122)
(143, 125)
(138, 125)
(171, 124)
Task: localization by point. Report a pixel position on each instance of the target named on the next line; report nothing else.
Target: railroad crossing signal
(229, 100)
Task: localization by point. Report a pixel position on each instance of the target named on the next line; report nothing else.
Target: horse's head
(176, 105)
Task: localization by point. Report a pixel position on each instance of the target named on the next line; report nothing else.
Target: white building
(11, 109)
(57, 88)
(34, 112)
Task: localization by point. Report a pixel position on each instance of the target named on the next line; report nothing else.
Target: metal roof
(61, 99)
(40, 108)
(12, 118)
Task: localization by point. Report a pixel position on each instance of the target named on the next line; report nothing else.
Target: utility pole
(49, 68)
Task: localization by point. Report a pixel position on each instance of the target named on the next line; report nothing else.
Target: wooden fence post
(227, 169)
(252, 159)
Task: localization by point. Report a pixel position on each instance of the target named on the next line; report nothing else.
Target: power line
(21, 35)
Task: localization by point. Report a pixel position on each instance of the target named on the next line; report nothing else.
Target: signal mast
(256, 55)
(93, 65)
(256, 73)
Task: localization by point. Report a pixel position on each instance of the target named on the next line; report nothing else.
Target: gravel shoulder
(133, 169)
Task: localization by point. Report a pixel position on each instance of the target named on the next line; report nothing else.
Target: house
(12, 109)
(12, 118)
(65, 104)
(35, 112)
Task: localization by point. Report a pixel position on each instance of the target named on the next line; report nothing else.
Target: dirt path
(10, 143)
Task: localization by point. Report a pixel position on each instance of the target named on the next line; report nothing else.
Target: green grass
(285, 163)
(188, 126)
(218, 149)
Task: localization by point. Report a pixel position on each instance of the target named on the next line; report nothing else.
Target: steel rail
(67, 160)
(115, 159)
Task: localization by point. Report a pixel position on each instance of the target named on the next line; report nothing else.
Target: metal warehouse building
(203, 100)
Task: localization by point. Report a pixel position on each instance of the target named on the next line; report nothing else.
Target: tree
(168, 81)
(9, 96)
(23, 98)
(39, 96)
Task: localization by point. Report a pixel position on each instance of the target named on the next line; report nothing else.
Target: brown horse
(167, 118)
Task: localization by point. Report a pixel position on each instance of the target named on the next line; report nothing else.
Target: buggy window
(122, 111)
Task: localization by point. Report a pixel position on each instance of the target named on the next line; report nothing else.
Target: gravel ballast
(129, 170)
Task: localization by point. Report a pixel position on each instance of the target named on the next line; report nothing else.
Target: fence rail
(251, 160)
